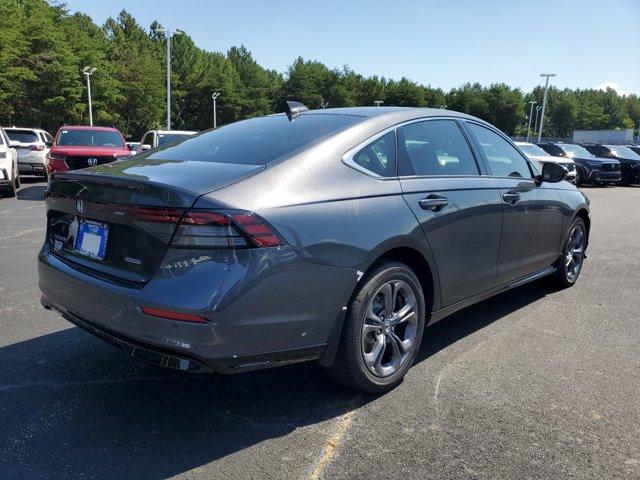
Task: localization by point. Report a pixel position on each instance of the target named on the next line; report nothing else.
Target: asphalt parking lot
(535, 383)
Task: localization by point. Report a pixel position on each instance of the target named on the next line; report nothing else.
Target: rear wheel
(579, 177)
(573, 254)
(382, 331)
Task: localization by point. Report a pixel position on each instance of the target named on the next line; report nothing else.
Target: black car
(629, 160)
(589, 167)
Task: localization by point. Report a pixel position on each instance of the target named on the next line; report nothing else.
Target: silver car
(331, 235)
(33, 146)
(157, 138)
(538, 155)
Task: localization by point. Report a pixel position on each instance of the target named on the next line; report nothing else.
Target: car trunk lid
(106, 219)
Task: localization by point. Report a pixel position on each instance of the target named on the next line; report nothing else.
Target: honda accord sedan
(334, 235)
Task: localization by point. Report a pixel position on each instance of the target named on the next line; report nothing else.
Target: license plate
(91, 240)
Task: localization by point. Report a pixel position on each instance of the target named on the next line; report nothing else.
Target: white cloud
(613, 85)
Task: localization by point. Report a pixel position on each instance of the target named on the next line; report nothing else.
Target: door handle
(512, 197)
(433, 202)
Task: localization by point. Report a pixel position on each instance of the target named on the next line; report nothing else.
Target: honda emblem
(79, 206)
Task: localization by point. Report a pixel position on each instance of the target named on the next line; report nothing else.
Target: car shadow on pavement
(471, 319)
(72, 406)
(31, 192)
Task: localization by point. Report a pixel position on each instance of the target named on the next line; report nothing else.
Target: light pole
(530, 115)
(377, 103)
(168, 34)
(544, 101)
(215, 96)
(88, 71)
(535, 128)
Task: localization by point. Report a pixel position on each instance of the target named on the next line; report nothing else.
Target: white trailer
(611, 137)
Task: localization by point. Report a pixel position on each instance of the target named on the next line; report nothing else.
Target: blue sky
(439, 43)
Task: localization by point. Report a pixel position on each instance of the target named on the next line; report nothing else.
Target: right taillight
(223, 230)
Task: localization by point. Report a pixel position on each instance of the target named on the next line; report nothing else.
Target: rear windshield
(170, 137)
(256, 141)
(22, 136)
(89, 138)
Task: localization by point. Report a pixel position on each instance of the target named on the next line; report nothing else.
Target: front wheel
(573, 254)
(382, 330)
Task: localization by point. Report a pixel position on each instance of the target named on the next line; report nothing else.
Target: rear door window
(434, 147)
(504, 159)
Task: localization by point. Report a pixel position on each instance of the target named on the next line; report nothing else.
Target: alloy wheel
(389, 329)
(574, 255)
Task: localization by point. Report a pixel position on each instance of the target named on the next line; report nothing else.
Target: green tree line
(43, 49)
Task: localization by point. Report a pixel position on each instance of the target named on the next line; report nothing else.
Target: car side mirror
(14, 144)
(553, 172)
(145, 147)
(49, 143)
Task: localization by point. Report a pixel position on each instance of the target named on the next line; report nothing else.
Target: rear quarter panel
(328, 212)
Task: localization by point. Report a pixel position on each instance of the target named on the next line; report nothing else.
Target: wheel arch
(420, 266)
(584, 215)
(426, 274)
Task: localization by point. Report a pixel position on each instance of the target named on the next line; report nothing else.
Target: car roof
(370, 112)
(85, 127)
(187, 132)
(524, 143)
(24, 128)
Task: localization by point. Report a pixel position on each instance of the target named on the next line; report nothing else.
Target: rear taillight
(202, 229)
(36, 147)
(205, 229)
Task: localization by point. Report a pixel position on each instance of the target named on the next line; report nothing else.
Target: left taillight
(37, 147)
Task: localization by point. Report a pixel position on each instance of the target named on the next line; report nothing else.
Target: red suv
(81, 147)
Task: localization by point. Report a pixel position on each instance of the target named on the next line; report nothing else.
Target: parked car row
(33, 151)
(589, 163)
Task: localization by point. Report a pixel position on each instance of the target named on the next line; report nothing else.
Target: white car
(33, 146)
(9, 175)
(537, 154)
(156, 138)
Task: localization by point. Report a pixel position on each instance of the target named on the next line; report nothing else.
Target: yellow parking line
(331, 444)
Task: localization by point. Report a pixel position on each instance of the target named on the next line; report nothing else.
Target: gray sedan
(332, 235)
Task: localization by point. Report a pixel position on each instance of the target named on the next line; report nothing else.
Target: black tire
(564, 277)
(349, 367)
(13, 186)
(626, 180)
(579, 178)
(17, 179)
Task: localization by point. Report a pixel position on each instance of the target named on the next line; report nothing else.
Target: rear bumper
(35, 168)
(266, 307)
